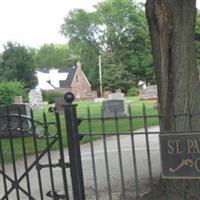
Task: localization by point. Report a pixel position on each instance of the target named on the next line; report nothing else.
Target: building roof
(63, 83)
(70, 77)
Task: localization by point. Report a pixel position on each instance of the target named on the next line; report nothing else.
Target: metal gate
(34, 177)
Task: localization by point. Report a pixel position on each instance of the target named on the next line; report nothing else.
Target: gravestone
(116, 95)
(115, 107)
(91, 94)
(150, 92)
(9, 117)
(59, 102)
(18, 100)
(35, 99)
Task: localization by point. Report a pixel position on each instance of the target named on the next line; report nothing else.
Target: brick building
(70, 79)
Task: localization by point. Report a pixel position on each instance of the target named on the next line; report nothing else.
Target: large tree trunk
(171, 24)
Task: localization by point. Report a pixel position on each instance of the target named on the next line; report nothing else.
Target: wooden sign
(180, 155)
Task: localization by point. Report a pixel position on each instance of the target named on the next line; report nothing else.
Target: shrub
(50, 96)
(10, 89)
(133, 91)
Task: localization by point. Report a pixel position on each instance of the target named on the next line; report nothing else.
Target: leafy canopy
(17, 64)
(118, 31)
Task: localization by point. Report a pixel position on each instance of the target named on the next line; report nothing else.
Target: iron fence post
(74, 147)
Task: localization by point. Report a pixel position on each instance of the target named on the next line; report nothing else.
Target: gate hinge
(59, 164)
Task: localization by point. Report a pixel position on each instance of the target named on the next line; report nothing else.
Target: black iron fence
(118, 162)
(24, 179)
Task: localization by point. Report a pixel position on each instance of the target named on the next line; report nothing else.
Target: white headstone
(116, 96)
(35, 99)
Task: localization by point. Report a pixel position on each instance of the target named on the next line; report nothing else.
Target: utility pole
(100, 76)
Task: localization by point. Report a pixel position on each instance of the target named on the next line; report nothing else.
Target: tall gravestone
(35, 99)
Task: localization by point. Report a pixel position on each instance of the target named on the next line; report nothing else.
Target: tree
(10, 89)
(171, 25)
(51, 55)
(1, 69)
(117, 28)
(86, 53)
(115, 75)
(17, 64)
(79, 28)
(126, 35)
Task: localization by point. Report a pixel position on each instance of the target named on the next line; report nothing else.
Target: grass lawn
(95, 127)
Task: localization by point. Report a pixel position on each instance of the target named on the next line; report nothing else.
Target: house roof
(70, 77)
(70, 70)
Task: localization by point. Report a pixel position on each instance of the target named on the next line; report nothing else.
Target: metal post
(74, 147)
(100, 77)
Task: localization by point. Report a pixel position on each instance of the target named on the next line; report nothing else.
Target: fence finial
(69, 97)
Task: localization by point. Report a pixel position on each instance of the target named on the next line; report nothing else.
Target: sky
(35, 22)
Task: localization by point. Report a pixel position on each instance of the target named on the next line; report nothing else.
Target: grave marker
(35, 99)
(115, 107)
(150, 92)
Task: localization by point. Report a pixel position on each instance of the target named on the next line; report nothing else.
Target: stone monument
(35, 99)
(9, 118)
(150, 92)
(115, 105)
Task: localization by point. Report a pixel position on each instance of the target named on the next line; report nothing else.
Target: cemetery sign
(180, 155)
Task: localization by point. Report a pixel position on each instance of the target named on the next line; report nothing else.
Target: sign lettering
(180, 155)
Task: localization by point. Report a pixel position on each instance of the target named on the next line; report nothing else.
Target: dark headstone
(112, 108)
(9, 118)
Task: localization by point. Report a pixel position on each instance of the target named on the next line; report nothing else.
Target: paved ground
(114, 169)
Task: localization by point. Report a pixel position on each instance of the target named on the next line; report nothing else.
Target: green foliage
(116, 29)
(115, 74)
(50, 96)
(52, 56)
(17, 64)
(133, 91)
(79, 28)
(88, 55)
(1, 68)
(10, 89)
